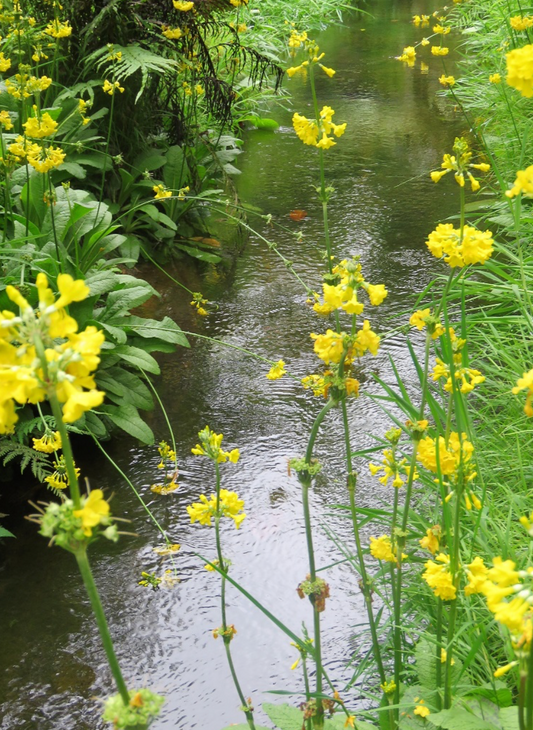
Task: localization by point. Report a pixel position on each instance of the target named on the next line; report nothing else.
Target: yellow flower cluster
(521, 22)
(468, 378)
(423, 318)
(344, 294)
(297, 39)
(57, 29)
(438, 577)
(5, 120)
(439, 50)
(474, 247)
(445, 456)
(48, 443)
(172, 33)
(526, 383)
(42, 354)
(210, 447)
(309, 131)
(421, 20)
(499, 583)
(40, 127)
(110, 88)
(459, 162)
(408, 56)
(229, 505)
(381, 548)
(392, 469)
(5, 63)
(520, 70)
(24, 85)
(446, 80)
(183, 5)
(523, 183)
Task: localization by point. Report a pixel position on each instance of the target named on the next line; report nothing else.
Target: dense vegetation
(120, 126)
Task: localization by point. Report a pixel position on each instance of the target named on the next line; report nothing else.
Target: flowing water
(384, 206)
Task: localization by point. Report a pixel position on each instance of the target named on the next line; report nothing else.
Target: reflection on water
(384, 206)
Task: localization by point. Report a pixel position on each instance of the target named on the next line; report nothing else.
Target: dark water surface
(52, 662)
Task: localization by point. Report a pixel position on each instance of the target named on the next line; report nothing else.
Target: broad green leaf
(74, 169)
(121, 301)
(131, 247)
(101, 282)
(95, 425)
(284, 717)
(263, 123)
(149, 160)
(5, 533)
(166, 329)
(127, 418)
(457, 718)
(116, 332)
(509, 718)
(176, 171)
(211, 258)
(500, 694)
(138, 357)
(126, 385)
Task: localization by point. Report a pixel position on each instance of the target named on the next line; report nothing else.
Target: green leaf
(6, 533)
(500, 694)
(127, 385)
(457, 718)
(284, 717)
(211, 258)
(166, 329)
(123, 300)
(127, 418)
(131, 248)
(176, 171)
(138, 357)
(95, 425)
(101, 282)
(263, 123)
(509, 718)
(149, 160)
(74, 169)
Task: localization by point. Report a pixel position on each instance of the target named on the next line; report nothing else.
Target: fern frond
(26, 428)
(134, 58)
(37, 461)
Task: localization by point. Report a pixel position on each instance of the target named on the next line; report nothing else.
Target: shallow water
(385, 205)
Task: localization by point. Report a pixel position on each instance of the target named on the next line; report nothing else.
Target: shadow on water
(384, 207)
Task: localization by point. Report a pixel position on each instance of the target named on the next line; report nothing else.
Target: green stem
(92, 591)
(529, 692)
(226, 638)
(67, 451)
(438, 657)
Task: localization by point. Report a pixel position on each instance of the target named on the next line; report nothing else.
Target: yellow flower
(110, 88)
(366, 340)
(431, 540)
(164, 489)
(408, 56)
(441, 29)
(424, 42)
(39, 128)
(46, 159)
(381, 549)
(183, 5)
(5, 120)
(297, 69)
(167, 549)
(421, 710)
(476, 247)
(329, 347)
(172, 33)
(519, 22)
(520, 70)
(449, 456)
(328, 71)
(377, 293)
(161, 192)
(446, 80)
(526, 383)
(57, 29)
(495, 79)
(523, 183)
(5, 63)
(476, 573)
(276, 371)
(229, 506)
(48, 443)
(438, 577)
(506, 668)
(439, 50)
(94, 509)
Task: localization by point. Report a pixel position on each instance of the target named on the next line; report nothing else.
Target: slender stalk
(225, 636)
(529, 692)
(438, 656)
(92, 591)
(74, 488)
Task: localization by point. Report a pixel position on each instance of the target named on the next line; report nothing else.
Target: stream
(53, 665)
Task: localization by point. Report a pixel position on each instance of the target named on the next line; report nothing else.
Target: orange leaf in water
(298, 215)
(206, 241)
